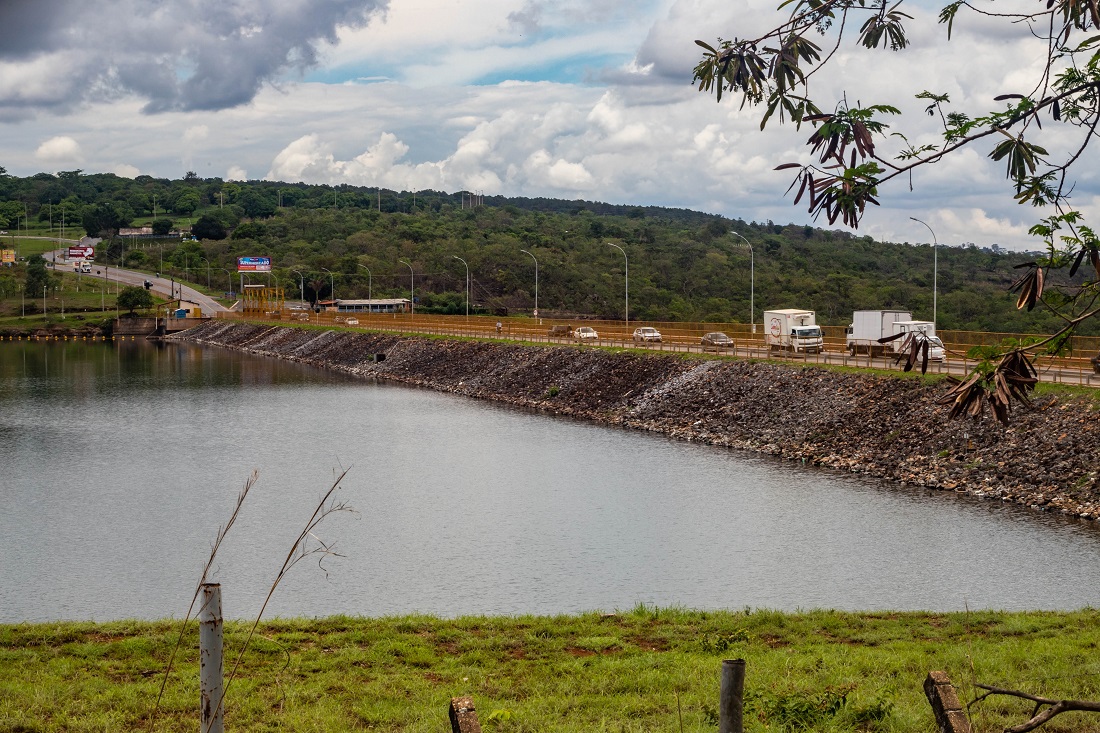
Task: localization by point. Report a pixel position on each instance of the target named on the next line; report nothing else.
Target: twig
(222, 531)
(298, 551)
(1038, 718)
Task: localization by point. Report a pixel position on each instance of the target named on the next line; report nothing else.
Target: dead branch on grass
(1039, 716)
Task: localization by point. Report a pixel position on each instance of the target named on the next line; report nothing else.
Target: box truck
(794, 330)
(868, 327)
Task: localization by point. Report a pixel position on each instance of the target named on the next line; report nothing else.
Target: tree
(103, 220)
(773, 70)
(162, 226)
(207, 227)
(131, 298)
(37, 277)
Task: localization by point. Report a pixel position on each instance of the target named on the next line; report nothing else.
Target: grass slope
(638, 670)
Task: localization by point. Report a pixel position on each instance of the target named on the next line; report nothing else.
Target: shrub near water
(639, 670)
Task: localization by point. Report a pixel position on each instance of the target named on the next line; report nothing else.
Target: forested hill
(683, 265)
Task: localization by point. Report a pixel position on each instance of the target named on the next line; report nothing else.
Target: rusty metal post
(731, 699)
(210, 659)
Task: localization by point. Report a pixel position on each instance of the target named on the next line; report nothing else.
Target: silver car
(646, 333)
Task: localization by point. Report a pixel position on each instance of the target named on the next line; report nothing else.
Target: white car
(352, 322)
(586, 333)
(646, 333)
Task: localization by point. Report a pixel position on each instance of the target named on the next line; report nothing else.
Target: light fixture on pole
(301, 285)
(467, 283)
(229, 279)
(331, 287)
(412, 301)
(627, 289)
(752, 281)
(935, 265)
(370, 278)
(536, 314)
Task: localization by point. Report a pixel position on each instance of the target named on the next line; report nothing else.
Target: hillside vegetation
(683, 265)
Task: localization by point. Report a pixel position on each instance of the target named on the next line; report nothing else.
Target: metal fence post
(731, 697)
(210, 659)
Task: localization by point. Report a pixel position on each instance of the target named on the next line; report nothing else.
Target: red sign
(81, 253)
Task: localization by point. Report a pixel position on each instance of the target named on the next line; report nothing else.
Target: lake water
(118, 463)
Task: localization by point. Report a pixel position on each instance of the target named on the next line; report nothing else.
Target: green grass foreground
(640, 670)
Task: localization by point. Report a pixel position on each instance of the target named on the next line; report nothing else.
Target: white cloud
(60, 149)
(236, 173)
(126, 170)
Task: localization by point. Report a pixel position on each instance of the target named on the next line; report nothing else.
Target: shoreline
(887, 427)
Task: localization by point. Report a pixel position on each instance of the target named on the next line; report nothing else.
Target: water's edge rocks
(883, 426)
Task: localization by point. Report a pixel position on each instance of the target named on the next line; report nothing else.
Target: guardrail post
(210, 659)
(731, 696)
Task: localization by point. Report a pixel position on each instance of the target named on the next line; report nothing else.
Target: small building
(183, 309)
(375, 305)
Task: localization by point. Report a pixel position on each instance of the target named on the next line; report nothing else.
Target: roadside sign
(7, 256)
(81, 253)
(253, 264)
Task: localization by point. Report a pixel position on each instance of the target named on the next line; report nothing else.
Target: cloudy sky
(589, 99)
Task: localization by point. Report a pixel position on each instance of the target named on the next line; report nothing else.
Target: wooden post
(731, 697)
(950, 716)
(463, 716)
(210, 659)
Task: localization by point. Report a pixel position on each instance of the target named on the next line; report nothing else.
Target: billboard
(7, 256)
(253, 264)
(81, 253)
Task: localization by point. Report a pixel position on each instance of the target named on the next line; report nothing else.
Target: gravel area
(884, 426)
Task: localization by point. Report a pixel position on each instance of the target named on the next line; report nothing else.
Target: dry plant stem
(222, 531)
(325, 507)
(1038, 718)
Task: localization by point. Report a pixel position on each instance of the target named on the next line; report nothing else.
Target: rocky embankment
(883, 426)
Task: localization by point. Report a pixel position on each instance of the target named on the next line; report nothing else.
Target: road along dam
(880, 425)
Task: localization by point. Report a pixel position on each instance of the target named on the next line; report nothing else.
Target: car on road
(717, 339)
(586, 333)
(352, 322)
(646, 333)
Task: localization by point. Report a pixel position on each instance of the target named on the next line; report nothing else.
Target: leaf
(785, 166)
(707, 46)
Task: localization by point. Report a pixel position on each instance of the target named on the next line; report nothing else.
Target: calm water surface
(118, 463)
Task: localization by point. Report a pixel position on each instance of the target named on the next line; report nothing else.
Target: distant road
(162, 286)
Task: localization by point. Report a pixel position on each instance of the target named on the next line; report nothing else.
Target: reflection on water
(121, 461)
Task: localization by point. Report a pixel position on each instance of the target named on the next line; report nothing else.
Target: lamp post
(752, 281)
(301, 284)
(331, 286)
(627, 289)
(370, 278)
(412, 302)
(228, 279)
(203, 259)
(467, 284)
(935, 265)
(536, 283)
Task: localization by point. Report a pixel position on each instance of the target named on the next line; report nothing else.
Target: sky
(572, 99)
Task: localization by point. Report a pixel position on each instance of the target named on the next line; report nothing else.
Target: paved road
(163, 286)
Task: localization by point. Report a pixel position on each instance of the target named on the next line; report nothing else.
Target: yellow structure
(260, 299)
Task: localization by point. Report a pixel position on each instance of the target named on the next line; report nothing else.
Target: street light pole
(467, 283)
(935, 266)
(229, 279)
(752, 281)
(536, 314)
(627, 290)
(301, 284)
(412, 301)
(331, 286)
(370, 278)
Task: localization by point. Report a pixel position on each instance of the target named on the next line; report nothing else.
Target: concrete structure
(376, 305)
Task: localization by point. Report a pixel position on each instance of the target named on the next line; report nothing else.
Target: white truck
(867, 327)
(82, 266)
(923, 331)
(794, 330)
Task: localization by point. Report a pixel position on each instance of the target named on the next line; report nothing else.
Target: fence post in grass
(463, 716)
(210, 659)
(731, 697)
(950, 716)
